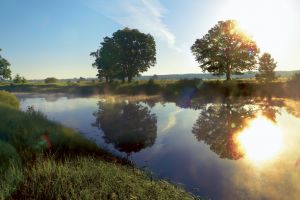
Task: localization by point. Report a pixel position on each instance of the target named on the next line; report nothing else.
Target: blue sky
(54, 38)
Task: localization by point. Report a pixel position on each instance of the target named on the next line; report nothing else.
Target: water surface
(219, 149)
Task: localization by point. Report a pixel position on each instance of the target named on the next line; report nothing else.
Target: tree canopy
(126, 54)
(266, 68)
(226, 49)
(5, 72)
(106, 60)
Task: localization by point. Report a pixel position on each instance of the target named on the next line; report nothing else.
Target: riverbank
(41, 159)
(168, 88)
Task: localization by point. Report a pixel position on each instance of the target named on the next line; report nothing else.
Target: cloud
(145, 15)
(171, 121)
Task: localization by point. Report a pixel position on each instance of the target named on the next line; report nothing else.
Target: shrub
(9, 99)
(51, 80)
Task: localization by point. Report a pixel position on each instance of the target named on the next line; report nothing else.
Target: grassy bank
(196, 87)
(41, 159)
(91, 178)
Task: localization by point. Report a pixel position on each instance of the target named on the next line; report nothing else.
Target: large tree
(266, 68)
(226, 49)
(126, 54)
(106, 60)
(5, 72)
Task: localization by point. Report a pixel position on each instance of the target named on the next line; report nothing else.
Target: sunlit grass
(90, 178)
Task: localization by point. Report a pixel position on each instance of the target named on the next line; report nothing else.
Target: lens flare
(261, 141)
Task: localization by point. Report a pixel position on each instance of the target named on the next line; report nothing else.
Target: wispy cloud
(145, 15)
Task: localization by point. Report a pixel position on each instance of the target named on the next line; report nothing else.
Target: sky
(42, 38)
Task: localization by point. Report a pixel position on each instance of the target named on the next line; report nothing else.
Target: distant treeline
(246, 75)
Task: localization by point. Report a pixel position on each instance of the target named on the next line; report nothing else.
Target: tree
(225, 49)
(136, 127)
(137, 52)
(19, 79)
(23, 80)
(5, 72)
(106, 60)
(125, 55)
(266, 68)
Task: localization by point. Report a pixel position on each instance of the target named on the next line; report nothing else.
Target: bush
(51, 80)
(9, 99)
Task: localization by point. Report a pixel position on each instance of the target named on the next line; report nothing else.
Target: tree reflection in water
(130, 127)
(218, 123)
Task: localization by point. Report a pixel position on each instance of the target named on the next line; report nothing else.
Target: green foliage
(81, 79)
(51, 80)
(90, 178)
(106, 60)
(225, 49)
(26, 132)
(266, 68)
(10, 170)
(9, 99)
(19, 79)
(125, 55)
(5, 72)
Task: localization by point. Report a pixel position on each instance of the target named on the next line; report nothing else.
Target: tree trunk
(228, 78)
(129, 79)
(106, 79)
(123, 79)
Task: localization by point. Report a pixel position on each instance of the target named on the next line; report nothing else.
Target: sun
(261, 141)
(271, 23)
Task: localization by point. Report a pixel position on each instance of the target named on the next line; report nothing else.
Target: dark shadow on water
(130, 127)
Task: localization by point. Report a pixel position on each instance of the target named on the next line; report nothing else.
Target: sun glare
(261, 141)
(271, 23)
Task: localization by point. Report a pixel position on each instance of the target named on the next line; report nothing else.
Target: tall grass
(26, 132)
(91, 178)
(10, 170)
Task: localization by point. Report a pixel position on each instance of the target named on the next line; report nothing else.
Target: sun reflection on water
(261, 141)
